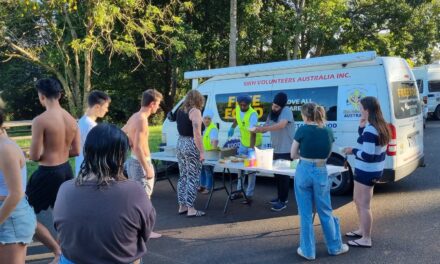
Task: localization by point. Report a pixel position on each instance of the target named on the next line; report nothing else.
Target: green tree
(409, 29)
(63, 36)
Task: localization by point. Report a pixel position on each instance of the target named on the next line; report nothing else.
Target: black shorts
(44, 183)
(367, 179)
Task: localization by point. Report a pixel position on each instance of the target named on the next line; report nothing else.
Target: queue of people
(312, 145)
(115, 192)
(99, 187)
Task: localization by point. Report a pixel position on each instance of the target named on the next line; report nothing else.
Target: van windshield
(434, 86)
(406, 99)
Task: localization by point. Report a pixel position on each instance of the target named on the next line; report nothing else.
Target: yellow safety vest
(243, 125)
(206, 139)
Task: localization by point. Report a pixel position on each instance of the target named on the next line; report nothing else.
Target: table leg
(231, 182)
(214, 189)
(168, 178)
(230, 192)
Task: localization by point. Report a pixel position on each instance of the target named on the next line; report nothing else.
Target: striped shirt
(370, 155)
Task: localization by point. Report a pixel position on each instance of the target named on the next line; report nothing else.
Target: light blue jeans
(242, 150)
(312, 185)
(206, 176)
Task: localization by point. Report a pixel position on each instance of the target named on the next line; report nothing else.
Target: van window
(261, 102)
(405, 99)
(420, 85)
(434, 86)
(324, 96)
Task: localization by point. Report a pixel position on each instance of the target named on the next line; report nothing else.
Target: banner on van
(262, 102)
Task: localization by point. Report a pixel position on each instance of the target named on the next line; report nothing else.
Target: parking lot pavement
(406, 223)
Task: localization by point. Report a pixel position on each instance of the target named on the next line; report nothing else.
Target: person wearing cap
(210, 142)
(280, 123)
(246, 118)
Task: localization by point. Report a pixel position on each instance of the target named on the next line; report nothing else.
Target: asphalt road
(406, 224)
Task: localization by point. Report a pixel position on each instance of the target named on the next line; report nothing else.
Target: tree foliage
(126, 46)
(63, 36)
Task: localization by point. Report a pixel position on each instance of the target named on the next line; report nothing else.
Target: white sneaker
(344, 249)
(299, 251)
(155, 235)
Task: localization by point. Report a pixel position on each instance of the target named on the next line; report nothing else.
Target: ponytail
(320, 115)
(314, 113)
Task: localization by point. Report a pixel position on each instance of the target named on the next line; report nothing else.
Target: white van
(335, 82)
(428, 82)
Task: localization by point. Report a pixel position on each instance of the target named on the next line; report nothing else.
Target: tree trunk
(87, 78)
(233, 35)
(299, 7)
(168, 79)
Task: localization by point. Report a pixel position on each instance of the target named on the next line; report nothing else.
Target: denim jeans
(206, 176)
(242, 150)
(312, 185)
(20, 226)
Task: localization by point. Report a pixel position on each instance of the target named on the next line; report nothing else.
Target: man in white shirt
(98, 103)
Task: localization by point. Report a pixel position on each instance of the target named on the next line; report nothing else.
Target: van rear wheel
(437, 112)
(341, 183)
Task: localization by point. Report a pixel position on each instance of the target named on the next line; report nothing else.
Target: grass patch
(155, 140)
(24, 143)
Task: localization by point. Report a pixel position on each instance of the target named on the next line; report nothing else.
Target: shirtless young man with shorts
(55, 138)
(139, 166)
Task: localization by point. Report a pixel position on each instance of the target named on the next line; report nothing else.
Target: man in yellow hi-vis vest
(245, 118)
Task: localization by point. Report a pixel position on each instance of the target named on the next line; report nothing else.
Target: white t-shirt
(85, 124)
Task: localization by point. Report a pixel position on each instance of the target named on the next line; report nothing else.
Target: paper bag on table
(264, 158)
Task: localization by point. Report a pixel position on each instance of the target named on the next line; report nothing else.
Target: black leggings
(282, 181)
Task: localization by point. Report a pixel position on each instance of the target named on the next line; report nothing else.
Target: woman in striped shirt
(370, 160)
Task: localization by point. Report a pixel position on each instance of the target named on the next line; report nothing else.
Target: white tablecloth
(331, 169)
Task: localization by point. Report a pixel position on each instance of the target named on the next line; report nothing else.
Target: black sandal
(353, 234)
(354, 243)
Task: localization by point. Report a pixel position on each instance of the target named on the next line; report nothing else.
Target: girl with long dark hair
(369, 164)
(102, 206)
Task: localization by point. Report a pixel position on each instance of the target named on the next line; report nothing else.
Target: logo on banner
(353, 101)
(232, 143)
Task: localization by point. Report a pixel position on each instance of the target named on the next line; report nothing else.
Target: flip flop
(353, 243)
(183, 212)
(197, 214)
(352, 234)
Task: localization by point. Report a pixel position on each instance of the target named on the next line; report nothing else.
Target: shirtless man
(139, 166)
(55, 138)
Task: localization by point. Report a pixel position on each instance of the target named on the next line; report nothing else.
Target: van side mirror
(171, 116)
